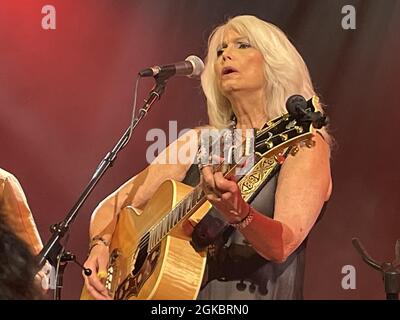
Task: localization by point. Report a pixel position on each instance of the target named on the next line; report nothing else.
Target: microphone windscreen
(198, 65)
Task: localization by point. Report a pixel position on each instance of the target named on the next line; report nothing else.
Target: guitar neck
(279, 134)
(185, 208)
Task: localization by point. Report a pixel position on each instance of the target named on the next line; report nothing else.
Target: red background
(66, 96)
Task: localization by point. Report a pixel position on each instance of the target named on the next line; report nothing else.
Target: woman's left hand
(224, 194)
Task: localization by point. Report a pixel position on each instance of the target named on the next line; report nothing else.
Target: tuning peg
(280, 158)
(310, 143)
(269, 144)
(299, 129)
(294, 150)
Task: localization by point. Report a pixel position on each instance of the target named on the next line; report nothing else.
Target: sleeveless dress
(236, 271)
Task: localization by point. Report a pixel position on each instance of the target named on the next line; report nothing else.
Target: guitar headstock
(293, 127)
(237, 149)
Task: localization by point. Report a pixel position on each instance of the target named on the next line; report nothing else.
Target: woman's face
(239, 66)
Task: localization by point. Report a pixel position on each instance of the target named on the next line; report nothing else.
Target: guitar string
(157, 230)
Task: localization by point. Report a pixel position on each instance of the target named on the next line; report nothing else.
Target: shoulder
(7, 177)
(10, 182)
(310, 154)
(4, 174)
(309, 165)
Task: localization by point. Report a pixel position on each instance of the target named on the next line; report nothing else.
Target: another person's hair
(17, 267)
(285, 70)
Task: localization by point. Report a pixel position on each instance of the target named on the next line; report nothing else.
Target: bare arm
(18, 216)
(139, 189)
(304, 184)
(135, 192)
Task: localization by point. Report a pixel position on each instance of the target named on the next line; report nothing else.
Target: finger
(213, 198)
(209, 187)
(98, 269)
(215, 192)
(97, 285)
(223, 184)
(231, 177)
(96, 281)
(206, 170)
(40, 275)
(226, 196)
(93, 292)
(42, 279)
(38, 279)
(208, 177)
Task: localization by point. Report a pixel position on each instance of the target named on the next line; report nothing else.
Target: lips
(228, 70)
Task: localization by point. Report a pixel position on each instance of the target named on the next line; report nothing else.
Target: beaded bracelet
(98, 240)
(245, 221)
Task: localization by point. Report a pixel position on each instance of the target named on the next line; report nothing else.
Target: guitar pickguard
(131, 286)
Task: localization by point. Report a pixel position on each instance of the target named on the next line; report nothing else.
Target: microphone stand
(390, 270)
(53, 251)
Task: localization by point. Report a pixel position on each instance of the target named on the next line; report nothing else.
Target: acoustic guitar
(151, 257)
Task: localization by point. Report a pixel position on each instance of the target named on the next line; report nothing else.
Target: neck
(249, 109)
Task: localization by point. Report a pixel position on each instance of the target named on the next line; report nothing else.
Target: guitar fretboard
(278, 134)
(184, 207)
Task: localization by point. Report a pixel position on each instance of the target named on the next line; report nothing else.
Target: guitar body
(174, 270)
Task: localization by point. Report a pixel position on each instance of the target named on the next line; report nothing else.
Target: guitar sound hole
(144, 267)
(140, 259)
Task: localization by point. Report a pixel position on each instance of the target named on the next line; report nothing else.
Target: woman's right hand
(97, 262)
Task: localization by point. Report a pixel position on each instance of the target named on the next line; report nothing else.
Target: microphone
(301, 109)
(297, 105)
(193, 66)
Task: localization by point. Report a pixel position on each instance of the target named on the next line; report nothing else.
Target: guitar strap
(213, 229)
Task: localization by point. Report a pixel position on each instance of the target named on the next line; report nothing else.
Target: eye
(220, 49)
(243, 45)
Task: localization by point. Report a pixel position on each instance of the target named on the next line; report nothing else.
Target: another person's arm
(18, 216)
(17, 213)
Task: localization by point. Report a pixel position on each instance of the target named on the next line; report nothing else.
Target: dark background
(66, 96)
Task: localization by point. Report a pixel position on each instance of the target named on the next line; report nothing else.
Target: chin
(227, 87)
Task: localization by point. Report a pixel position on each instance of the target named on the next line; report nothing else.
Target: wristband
(245, 221)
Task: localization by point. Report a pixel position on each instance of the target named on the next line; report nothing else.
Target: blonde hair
(285, 70)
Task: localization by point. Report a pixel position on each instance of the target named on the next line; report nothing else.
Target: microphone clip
(304, 111)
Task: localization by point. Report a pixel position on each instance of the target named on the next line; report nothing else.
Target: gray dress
(236, 271)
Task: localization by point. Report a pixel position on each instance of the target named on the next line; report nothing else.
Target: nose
(226, 57)
(227, 54)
